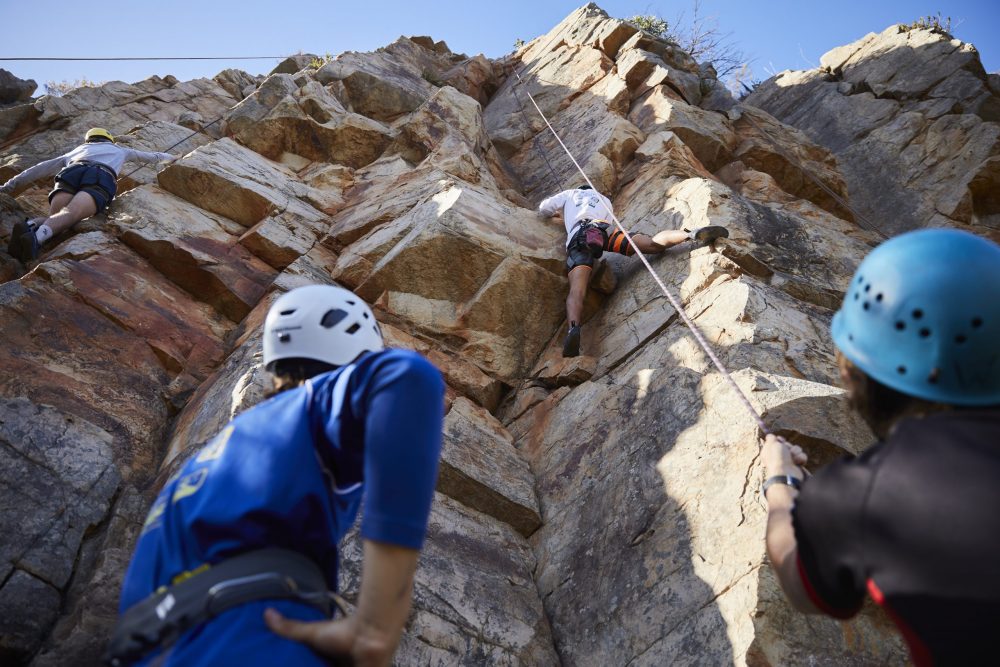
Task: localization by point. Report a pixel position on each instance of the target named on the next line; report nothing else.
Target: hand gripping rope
(699, 337)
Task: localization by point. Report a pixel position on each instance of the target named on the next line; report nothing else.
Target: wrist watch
(787, 480)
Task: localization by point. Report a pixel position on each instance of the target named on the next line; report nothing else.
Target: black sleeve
(828, 521)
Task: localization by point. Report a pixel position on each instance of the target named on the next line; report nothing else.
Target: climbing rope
(699, 337)
(534, 140)
(169, 148)
(861, 219)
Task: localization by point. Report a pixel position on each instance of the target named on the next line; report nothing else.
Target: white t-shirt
(577, 205)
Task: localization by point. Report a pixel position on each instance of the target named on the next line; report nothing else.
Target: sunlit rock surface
(598, 510)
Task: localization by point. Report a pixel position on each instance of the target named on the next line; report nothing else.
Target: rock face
(14, 90)
(590, 511)
(914, 121)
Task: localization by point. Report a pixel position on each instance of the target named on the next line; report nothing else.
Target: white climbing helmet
(321, 322)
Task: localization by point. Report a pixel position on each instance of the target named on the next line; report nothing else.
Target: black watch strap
(788, 480)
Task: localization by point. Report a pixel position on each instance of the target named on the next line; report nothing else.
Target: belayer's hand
(343, 638)
(780, 457)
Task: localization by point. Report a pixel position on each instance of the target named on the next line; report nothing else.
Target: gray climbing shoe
(710, 233)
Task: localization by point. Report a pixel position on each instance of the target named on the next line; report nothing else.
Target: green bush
(316, 63)
(651, 24)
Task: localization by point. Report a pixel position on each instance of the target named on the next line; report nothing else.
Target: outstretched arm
(552, 205)
(781, 458)
(148, 157)
(32, 174)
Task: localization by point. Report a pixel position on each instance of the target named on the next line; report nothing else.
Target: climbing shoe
(27, 247)
(19, 230)
(709, 233)
(571, 346)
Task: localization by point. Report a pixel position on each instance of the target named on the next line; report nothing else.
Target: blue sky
(778, 34)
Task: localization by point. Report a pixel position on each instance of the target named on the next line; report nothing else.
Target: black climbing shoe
(19, 230)
(27, 247)
(571, 346)
(710, 233)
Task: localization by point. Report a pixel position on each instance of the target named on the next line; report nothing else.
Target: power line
(3, 58)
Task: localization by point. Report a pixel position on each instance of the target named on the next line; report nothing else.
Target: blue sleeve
(403, 416)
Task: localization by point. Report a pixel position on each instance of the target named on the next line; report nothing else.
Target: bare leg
(669, 237)
(81, 206)
(579, 278)
(59, 202)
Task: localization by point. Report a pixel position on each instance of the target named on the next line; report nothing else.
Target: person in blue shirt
(243, 538)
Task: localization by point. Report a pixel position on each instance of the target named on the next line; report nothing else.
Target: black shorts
(96, 181)
(578, 253)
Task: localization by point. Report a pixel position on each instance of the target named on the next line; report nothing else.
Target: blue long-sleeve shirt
(292, 473)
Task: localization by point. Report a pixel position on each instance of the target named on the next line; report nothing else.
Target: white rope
(673, 302)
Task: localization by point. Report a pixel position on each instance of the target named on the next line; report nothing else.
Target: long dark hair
(880, 406)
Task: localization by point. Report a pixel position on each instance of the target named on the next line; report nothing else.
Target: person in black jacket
(914, 521)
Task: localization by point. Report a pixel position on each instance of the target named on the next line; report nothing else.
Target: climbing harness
(196, 597)
(699, 337)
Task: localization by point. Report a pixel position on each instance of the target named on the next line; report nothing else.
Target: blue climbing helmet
(922, 316)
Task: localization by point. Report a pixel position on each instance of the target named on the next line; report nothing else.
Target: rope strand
(699, 337)
(202, 129)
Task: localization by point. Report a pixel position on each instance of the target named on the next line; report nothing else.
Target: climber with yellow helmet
(86, 182)
(912, 521)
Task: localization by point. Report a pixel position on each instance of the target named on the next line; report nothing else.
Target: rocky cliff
(914, 122)
(596, 511)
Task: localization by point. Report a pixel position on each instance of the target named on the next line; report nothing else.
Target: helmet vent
(917, 314)
(933, 376)
(284, 337)
(925, 332)
(900, 325)
(332, 317)
(901, 370)
(868, 288)
(288, 312)
(977, 322)
(366, 315)
(866, 305)
(857, 295)
(353, 328)
(878, 297)
(352, 303)
(960, 338)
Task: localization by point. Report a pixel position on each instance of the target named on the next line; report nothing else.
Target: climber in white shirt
(587, 215)
(86, 182)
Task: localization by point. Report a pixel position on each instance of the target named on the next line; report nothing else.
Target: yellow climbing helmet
(98, 134)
